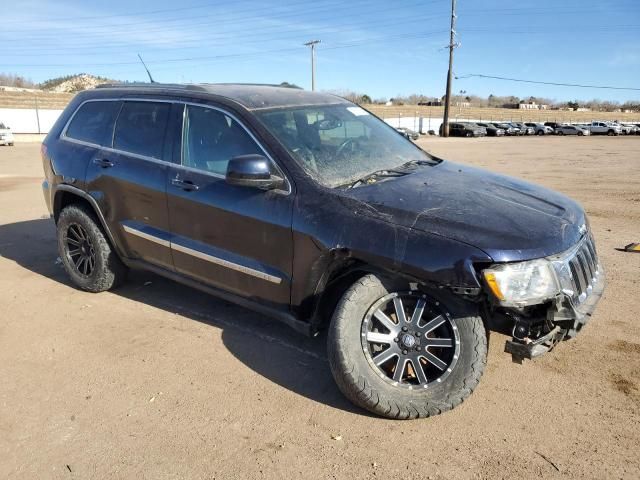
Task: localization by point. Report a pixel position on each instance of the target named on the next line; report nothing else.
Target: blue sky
(377, 47)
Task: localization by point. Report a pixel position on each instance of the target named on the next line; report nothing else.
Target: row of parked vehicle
(499, 129)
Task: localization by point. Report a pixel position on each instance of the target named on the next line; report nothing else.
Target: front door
(238, 239)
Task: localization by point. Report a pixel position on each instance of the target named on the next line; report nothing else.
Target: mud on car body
(308, 208)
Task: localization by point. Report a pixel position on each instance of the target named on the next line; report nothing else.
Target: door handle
(103, 162)
(186, 185)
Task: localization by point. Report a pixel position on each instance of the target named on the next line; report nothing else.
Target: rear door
(238, 239)
(129, 179)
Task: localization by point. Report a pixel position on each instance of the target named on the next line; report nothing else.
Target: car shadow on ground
(268, 347)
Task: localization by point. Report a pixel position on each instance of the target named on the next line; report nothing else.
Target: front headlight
(522, 283)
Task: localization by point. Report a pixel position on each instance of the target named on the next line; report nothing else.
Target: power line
(559, 84)
(165, 25)
(261, 34)
(147, 12)
(220, 20)
(232, 55)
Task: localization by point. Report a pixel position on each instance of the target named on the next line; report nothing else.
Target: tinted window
(93, 122)
(141, 128)
(212, 138)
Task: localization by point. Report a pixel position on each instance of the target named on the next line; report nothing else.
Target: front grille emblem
(583, 229)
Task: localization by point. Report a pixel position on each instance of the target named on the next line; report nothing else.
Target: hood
(507, 218)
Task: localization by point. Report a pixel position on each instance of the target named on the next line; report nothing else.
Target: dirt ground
(155, 380)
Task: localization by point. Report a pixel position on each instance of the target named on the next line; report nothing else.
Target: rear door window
(141, 128)
(93, 122)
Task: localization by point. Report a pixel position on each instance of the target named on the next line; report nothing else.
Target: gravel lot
(156, 381)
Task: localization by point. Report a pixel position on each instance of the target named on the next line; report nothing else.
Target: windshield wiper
(373, 177)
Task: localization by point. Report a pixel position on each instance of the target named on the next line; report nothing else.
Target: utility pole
(452, 45)
(313, 44)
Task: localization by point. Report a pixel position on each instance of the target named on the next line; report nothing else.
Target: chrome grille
(578, 270)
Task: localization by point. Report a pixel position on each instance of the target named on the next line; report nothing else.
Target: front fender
(378, 246)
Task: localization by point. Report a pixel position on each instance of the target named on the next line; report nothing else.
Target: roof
(251, 96)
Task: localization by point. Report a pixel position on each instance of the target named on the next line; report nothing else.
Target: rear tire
(86, 254)
(540, 132)
(611, 133)
(451, 372)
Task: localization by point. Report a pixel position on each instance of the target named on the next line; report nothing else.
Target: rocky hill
(73, 83)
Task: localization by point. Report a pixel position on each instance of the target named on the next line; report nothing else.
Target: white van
(6, 137)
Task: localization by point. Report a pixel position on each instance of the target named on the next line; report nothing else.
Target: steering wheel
(349, 142)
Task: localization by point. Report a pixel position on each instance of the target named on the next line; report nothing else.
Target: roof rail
(174, 86)
(187, 86)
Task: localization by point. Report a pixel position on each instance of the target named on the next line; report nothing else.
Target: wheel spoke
(386, 321)
(85, 262)
(78, 262)
(400, 315)
(438, 342)
(401, 365)
(417, 312)
(91, 264)
(73, 242)
(77, 232)
(74, 252)
(419, 371)
(431, 358)
(384, 356)
(433, 324)
(377, 337)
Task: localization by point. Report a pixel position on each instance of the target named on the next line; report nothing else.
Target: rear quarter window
(93, 122)
(141, 128)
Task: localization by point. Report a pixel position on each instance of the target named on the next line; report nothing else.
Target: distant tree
(365, 99)
(13, 80)
(573, 105)
(289, 85)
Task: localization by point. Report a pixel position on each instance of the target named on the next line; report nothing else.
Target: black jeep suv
(309, 209)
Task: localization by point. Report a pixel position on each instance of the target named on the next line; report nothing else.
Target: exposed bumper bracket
(534, 348)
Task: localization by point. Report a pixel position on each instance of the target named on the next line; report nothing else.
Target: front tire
(86, 254)
(380, 330)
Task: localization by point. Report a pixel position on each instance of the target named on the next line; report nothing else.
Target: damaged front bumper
(565, 318)
(582, 280)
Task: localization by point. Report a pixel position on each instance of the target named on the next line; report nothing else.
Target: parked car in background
(540, 128)
(307, 208)
(627, 129)
(408, 133)
(605, 128)
(553, 125)
(492, 130)
(465, 129)
(6, 136)
(517, 128)
(508, 129)
(526, 130)
(572, 130)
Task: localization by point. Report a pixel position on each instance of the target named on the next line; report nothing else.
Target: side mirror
(252, 171)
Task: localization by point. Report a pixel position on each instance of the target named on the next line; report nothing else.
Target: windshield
(338, 144)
